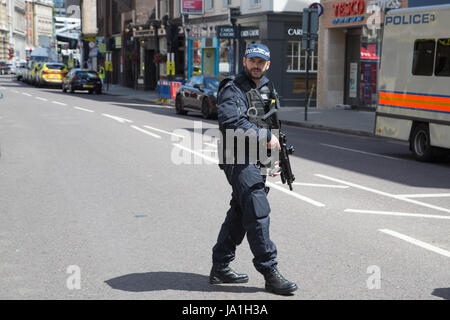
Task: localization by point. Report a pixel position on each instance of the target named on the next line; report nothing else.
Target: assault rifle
(271, 118)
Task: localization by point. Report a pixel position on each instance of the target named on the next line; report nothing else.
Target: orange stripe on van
(416, 105)
(409, 96)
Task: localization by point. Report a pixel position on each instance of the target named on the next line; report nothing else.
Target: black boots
(277, 284)
(224, 274)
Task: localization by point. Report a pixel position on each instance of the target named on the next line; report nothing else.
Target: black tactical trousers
(248, 214)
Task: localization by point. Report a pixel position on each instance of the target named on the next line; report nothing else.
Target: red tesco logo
(349, 8)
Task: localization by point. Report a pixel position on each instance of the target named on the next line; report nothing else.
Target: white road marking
(60, 103)
(317, 185)
(416, 242)
(15, 91)
(384, 193)
(270, 184)
(163, 131)
(146, 132)
(26, 94)
(83, 109)
(399, 214)
(362, 152)
(199, 154)
(121, 120)
(295, 195)
(42, 99)
(425, 195)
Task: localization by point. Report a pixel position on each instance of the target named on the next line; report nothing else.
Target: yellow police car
(51, 74)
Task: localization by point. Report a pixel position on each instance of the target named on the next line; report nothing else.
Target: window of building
(225, 57)
(442, 68)
(210, 4)
(423, 61)
(296, 58)
(226, 3)
(255, 3)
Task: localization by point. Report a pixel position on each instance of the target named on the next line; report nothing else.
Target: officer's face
(256, 67)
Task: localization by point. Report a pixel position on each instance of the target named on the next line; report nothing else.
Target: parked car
(198, 94)
(82, 79)
(4, 68)
(20, 68)
(30, 73)
(51, 74)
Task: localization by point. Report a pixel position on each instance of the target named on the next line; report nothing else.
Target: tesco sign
(349, 8)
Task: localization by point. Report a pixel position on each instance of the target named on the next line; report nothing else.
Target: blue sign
(348, 20)
(418, 18)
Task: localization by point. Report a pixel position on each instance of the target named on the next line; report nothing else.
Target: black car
(198, 94)
(81, 79)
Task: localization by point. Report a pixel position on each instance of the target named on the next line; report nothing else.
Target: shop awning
(367, 55)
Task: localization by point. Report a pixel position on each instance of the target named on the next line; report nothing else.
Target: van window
(442, 68)
(423, 60)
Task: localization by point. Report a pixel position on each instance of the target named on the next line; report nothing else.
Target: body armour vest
(258, 100)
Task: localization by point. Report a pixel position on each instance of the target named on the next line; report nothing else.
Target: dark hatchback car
(198, 94)
(80, 79)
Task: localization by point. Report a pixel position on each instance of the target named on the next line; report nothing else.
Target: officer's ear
(268, 65)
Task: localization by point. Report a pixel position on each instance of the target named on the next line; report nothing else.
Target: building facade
(4, 31)
(216, 42)
(350, 46)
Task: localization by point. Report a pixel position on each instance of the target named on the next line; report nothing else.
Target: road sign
(310, 27)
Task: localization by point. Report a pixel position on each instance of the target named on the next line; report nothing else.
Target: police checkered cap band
(257, 50)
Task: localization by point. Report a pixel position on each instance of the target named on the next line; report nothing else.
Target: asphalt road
(102, 198)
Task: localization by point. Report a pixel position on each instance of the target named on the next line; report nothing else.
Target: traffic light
(111, 44)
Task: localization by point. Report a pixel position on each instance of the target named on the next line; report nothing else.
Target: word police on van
(423, 18)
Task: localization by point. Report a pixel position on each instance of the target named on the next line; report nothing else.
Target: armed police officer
(249, 207)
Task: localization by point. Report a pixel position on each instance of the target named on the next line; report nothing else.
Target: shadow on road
(443, 293)
(161, 280)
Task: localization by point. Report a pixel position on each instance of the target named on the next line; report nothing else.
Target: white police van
(414, 80)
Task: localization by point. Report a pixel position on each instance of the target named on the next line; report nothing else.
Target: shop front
(282, 33)
(350, 38)
(211, 50)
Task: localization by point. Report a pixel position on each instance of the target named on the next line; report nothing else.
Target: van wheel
(420, 143)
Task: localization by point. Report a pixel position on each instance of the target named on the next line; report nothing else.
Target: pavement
(336, 119)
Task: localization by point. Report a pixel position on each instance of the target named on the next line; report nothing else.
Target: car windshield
(212, 83)
(87, 74)
(56, 66)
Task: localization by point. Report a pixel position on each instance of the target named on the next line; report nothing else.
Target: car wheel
(179, 105)
(206, 109)
(421, 144)
(99, 91)
(64, 88)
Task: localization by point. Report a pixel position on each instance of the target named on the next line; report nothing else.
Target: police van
(414, 80)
